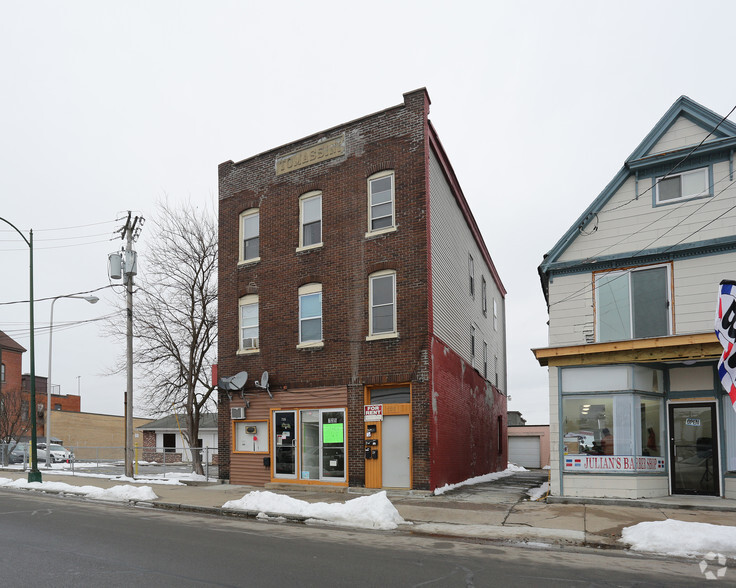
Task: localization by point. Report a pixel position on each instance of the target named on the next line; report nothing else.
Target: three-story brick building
(353, 272)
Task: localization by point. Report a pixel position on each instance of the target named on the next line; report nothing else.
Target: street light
(92, 300)
(33, 475)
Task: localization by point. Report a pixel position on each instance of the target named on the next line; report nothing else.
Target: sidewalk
(477, 514)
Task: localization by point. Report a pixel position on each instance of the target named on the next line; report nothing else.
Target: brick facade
(394, 139)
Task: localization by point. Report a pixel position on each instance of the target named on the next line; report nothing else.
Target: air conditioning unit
(237, 412)
(250, 343)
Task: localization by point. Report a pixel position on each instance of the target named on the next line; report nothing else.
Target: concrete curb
(639, 503)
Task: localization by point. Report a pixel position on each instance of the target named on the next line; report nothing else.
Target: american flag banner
(726, 332)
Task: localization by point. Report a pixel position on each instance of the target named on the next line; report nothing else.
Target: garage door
(524, 451)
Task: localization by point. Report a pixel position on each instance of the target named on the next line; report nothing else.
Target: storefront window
(603, 425)
(333, 444)
(651, 427)
(588, 425)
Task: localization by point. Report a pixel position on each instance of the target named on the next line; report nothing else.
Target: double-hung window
(485, 360)
(249, 235)
(471, 275)
(472, 344)
(632, 304)
(310, 214)
(483, 296)
(382, 295)
(682, 186)
(310, 314)
(248, 323)
(381, 202)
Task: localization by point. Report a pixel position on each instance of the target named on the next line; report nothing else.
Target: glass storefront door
(285, 443)
(310, 444)
(693, 449)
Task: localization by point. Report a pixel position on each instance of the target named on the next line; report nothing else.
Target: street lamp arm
(17, 230)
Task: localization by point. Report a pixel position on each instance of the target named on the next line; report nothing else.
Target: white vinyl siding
(571, 310)
(695, 283)
(453, 307)
(682, 133)
(627, 225)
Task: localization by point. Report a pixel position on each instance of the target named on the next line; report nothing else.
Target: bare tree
(14, 421)
(175, 317)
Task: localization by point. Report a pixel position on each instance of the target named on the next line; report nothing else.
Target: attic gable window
(678, 187)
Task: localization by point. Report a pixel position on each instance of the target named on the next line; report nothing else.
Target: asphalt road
(58, 541)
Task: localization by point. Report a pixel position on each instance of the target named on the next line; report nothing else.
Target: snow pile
(510, 470)
(116, 493)
(681, 538)
(537, 493)
(369, 512)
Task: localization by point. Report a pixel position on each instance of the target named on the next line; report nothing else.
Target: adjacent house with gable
(636, 407)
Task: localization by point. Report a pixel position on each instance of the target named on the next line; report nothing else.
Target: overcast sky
(110, 106)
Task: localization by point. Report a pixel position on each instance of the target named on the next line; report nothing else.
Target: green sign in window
(333, 433)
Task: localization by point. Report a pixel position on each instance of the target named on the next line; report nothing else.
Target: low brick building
(352, 271)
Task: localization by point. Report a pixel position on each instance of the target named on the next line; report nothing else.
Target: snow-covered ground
(681, 538)
(537, 493)
(509, 471)
(117, 493)
(370, 512)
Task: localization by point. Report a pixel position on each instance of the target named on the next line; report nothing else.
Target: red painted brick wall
(465, 411)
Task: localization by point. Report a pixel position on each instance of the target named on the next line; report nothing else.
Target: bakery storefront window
(612, 420)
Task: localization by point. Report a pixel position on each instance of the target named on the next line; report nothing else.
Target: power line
(584, 289)
(678, 164)
(58, 296)
(66, 228)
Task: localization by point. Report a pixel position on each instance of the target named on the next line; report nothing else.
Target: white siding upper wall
(696, 288)
(682, 133)
(453, 308)
(630, 225)
(695, 283)
(570, 310)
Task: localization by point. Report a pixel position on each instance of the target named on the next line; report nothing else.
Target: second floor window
(310, 213)
(310, 313)
(250, 235)
(632, 304)
(383, 303)
(381, 201)
(485, 360)
(249, 323)
(683, 186)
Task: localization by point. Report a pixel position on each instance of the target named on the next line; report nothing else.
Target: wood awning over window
(694, 347)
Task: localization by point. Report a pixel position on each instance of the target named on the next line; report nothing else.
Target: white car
(59, 454)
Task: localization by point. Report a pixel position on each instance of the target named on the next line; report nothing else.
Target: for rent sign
(613, 463)
(373, 412)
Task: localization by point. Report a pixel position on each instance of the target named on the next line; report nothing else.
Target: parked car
(18, 454)
(59, 454)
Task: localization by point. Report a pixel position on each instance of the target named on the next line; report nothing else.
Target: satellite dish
(263, 384)
(237, 382)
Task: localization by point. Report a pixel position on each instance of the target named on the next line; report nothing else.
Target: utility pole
(129, 267)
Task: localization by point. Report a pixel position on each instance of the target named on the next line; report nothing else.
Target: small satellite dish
(237, 382)
(263, 384)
